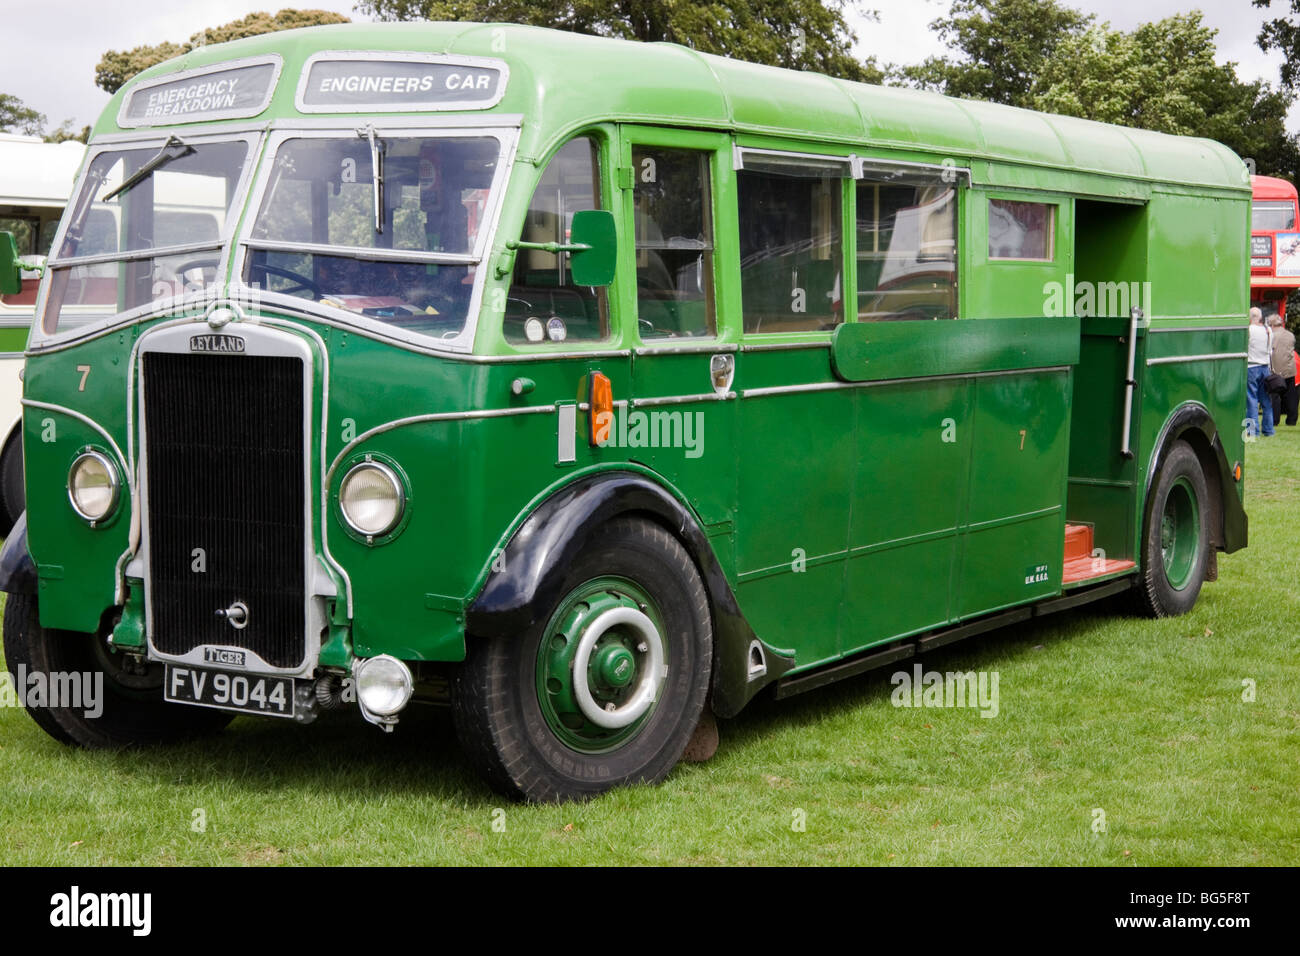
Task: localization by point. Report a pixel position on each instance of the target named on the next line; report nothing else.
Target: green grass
(1098, 709)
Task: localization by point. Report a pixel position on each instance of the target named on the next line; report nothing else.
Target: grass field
(1099, 711)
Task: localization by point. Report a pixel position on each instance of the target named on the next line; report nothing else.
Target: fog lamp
(384, 685)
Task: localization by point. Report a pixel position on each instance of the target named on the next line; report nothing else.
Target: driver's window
(674, 242)
(544, 304)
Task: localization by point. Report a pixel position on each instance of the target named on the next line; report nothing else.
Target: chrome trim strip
(682, 399)
(834, 386)
(685, 349)
(162, 252)
(1153, 330)
(433, 417)
(783, 346)
(1209, 357)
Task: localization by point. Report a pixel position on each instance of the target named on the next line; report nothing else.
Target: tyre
(127, 708)
(607, 688)
(1175, 539)
(13, 499)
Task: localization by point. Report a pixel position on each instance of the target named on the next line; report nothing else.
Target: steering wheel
(304, 283)
(211, 262)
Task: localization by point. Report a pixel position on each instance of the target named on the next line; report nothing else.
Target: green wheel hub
(1180, 534)
(601, 665)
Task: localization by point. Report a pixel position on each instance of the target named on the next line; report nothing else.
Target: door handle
(722, 370)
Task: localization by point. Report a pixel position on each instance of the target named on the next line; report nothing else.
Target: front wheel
(607, 688)
(80, 692)
(1175, 541)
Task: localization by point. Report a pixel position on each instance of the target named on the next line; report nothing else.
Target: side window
(907, 250)
(543, 304)
(674, 242)
(791, 250)
(1021, 230)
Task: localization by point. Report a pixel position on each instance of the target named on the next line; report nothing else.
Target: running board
(829, 674)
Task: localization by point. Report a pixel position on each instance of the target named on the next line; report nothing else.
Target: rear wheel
(607, 689)
(13, 499)
(119, 705)
(1175, 542)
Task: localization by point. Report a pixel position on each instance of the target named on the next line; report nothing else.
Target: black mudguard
(17, 569)
(1194, 424)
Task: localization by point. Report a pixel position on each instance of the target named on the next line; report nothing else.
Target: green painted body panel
(867, 352)
(855, 488)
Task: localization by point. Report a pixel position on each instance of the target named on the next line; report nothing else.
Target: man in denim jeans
(1257, 361)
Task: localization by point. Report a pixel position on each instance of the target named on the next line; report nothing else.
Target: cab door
(681, 420)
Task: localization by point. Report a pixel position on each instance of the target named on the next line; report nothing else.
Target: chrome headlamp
(93, 486)
(372, 499)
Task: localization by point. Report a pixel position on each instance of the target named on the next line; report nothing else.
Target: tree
(118, 66)
(68, 131)
(800, 34)
(1163, 76)
(1000, 48)
(1283, 34)
(16, 117)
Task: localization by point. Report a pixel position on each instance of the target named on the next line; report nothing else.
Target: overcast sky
(51, 46)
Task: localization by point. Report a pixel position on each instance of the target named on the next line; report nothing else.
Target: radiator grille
(224, 452)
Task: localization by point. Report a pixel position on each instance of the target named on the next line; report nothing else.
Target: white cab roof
(36, 173)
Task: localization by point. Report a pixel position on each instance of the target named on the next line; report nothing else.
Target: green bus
(594, 387)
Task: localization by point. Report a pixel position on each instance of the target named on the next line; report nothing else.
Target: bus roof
(553, 82)
(1269, 187)
(36, 173)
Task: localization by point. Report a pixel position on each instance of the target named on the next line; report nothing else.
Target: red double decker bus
(1274, 244)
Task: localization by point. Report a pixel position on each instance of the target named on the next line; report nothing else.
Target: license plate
(225, 690)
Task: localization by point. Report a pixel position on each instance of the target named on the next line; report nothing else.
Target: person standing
(1257, 359)
(1283, 363)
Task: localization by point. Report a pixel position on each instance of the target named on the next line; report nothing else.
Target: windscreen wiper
(172, 149)
(377, 173)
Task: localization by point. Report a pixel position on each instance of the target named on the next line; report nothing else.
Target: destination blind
(201, 95)
(426, 84)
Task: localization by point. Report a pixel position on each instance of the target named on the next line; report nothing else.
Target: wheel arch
(527, 576)
(1193, 424)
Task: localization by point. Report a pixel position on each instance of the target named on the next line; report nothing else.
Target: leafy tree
(68, 131)
(118, 66)
(1162, 76)
(800, 34)
(16, 117)
(1283, 34)
(1000, 48)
